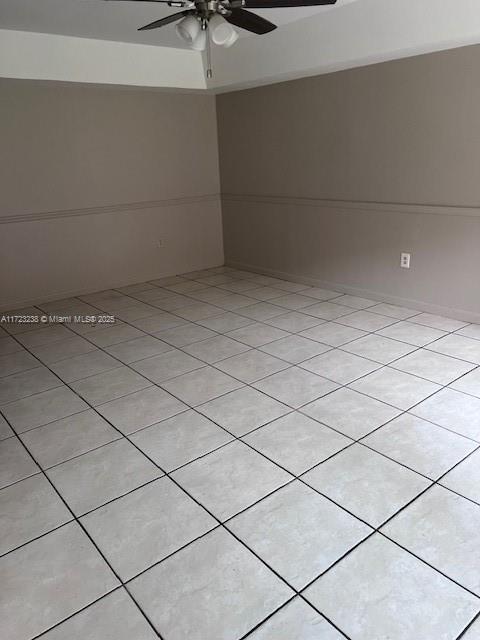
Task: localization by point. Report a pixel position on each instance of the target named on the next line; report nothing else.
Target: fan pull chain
(209, 52)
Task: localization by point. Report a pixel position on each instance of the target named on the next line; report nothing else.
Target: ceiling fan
(217, 17)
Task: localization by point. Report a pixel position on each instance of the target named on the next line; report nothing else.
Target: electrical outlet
(405, 260)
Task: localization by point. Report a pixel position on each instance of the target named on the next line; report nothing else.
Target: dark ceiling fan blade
(163, 21)
(274, 4)
(164, 1)
(250, 21)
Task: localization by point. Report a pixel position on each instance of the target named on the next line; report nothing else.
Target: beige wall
(91, 178)
(329, 178)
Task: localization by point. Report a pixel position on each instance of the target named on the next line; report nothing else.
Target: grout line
(57, 624)
(469, 626)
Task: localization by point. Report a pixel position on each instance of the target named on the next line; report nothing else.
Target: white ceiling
(93, 41)
(117, 21)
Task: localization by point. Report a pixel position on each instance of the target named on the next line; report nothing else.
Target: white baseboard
(418, 305)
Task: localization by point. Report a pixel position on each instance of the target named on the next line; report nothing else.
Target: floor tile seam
(430, 326)
(30, 395)
(462, 335)
(408, 319)
(436, 424)
(37, 537)
(77, 456)
(45, 424)
(12, 484)
(124, 436)
(283, 606)
(416, 375)
(465, 393)
(472, 362)
(475, 619)
(324, 615)
(62, 359)
(84, 608)
(7, 375)
(433, 481)
(472, 593)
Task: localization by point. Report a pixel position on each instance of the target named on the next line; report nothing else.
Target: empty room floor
(239, 456)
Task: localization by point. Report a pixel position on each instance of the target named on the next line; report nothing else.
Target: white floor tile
(441, 528)
(201, 385)
(411, 333)
(465, 478)
(94, 478)
(67, 438)
(145, 526)
(458, 346)
(295, 349)
(295, 386)
(296, 442)
(179, 440)
(366, 483)
(438, 322)
(333, 334)
(468, 384)
(420, 445)
(251, 366)
(42, 408)
(298, 533)
(399, 389)
(15, 463)
(243, 410)
(63, 582)
(351, 413)
(433, 366)
(296, 621)
(340, 366)
(368, 589)
(378, 348)
(258, 334)
(115, 615)
(215, 588)
(29, 509)
(367, 321)
(230, 479)
(452, 410)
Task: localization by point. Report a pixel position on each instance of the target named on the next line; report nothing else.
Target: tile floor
(238, 456)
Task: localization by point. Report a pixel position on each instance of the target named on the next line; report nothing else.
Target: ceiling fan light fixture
(233, 38)
(188, 29)
(222, 33)
(200, 42)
